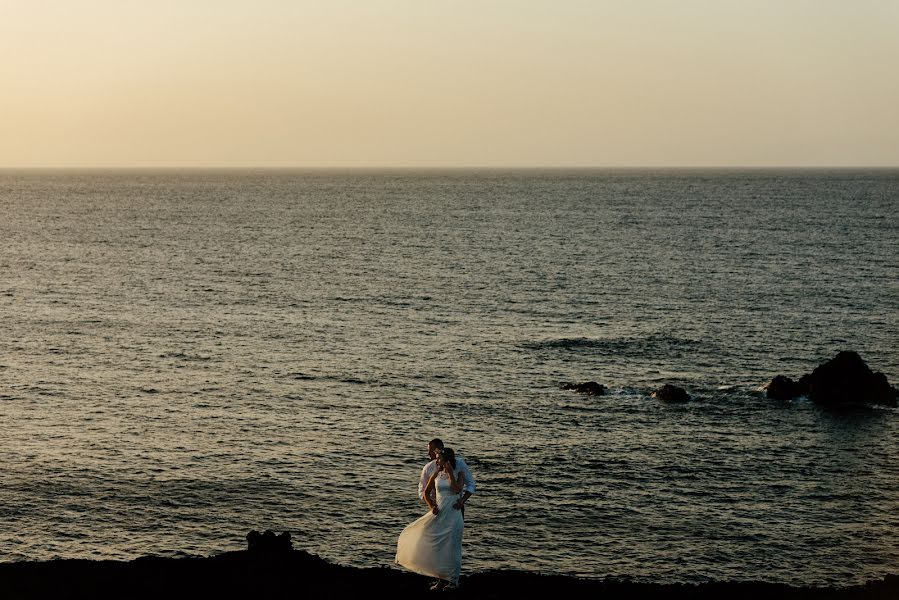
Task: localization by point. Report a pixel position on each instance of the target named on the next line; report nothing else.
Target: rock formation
(268, 542)
(591, 388)
(671, 393)
(783, 388)
(843, 380)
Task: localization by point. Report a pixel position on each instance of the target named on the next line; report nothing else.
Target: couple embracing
(432, 545)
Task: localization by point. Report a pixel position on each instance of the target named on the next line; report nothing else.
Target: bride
(432, 545)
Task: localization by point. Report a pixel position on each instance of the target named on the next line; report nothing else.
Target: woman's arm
(423, 480)
(429, 489)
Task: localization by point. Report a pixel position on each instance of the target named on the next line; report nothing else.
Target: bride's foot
(438, 585)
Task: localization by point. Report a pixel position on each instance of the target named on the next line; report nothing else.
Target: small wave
(653, 345)
(396, 303)
(299, 376)
(566, 343)
(576, 408)
(302, 376)
(183, 356)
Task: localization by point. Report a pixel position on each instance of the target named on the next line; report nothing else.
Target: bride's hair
(449, 456)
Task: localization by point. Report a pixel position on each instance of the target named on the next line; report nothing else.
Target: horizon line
(443, 167)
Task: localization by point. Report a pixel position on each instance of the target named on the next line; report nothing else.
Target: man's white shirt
(430, 468)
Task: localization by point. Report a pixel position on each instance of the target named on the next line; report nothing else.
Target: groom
(429, 469)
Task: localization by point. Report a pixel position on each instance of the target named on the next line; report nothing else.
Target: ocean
(189, 355)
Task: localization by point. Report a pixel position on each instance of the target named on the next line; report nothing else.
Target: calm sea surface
(185, 356)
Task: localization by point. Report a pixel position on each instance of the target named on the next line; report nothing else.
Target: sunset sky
(407, 83)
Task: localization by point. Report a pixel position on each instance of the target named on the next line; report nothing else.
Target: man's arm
(469, 485)
(469, 480)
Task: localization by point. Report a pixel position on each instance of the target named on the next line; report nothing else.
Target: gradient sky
(182, 83)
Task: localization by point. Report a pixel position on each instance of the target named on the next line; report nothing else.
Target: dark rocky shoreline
(299, 574)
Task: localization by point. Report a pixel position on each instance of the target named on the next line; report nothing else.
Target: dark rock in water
(783, 388)
(268, 542)
(671, 393)
(846, 379)
(591, 388)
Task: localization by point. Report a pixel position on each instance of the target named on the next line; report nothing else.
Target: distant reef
(666, 393)
(844, 380)
(591, 388)
(299, 574)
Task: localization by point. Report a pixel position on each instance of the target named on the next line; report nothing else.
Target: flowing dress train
(432, 545)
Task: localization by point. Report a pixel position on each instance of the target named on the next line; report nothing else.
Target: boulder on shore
(269, 542)
(671, 393)
(843, 380)
(591, 388)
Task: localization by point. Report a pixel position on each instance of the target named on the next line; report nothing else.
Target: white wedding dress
(432, 545)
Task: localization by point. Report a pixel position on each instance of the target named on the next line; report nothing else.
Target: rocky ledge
(299, 574)
(845, 380)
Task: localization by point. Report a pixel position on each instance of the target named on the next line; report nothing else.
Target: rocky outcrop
(671, 393)
(843, 380)
(268, 542)
(783, 388)
(591, 388)
(299, 574)
(846, 379)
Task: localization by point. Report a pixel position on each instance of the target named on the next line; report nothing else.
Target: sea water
(189, 355)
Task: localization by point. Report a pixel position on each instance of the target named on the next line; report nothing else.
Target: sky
(456, 83)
